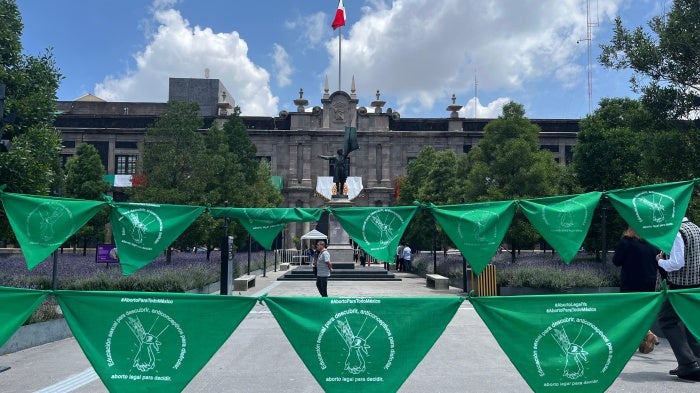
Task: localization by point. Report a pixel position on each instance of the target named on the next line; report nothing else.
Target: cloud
(417, 50)
(281, 64)
(314, 27)
(175, 49)
(492, 109)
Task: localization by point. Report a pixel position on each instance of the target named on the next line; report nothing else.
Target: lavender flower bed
(75, 271)
(536, 270)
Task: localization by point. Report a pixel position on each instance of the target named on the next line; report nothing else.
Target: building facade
(293, 141)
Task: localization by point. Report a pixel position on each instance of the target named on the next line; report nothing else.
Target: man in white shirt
(323, 268)
(683, 271)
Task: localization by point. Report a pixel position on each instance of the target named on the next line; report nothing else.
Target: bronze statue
(340, 174)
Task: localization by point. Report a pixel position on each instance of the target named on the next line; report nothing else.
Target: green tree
(236, 176)
(85, 180)
(608, 150)
(509, 164)
(33, 165)
(431, 178)
(664, 59)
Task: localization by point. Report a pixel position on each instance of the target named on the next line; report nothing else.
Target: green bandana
(572, 343)
(150, 342)
(655, 212)
(377, 230)
(16, 305)
(563, 221)
(144, 230)
(42, 224)
(685, 302)
(476, 229)
(362, 344)
(266, 223)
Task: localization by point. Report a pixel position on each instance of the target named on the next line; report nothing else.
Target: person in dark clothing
(638, 261)
(639, 272)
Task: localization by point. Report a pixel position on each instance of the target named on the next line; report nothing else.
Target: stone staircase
(342, 271)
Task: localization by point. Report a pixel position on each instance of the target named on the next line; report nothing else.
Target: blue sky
(417, 53)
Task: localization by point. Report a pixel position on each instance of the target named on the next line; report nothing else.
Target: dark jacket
(639, 267)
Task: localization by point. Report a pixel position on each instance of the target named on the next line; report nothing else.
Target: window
(126, 165)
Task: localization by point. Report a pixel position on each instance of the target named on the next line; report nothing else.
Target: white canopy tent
(314, 235)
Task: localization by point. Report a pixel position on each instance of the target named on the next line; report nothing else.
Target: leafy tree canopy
(665, 59)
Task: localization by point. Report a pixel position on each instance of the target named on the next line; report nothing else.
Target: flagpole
(340, 52)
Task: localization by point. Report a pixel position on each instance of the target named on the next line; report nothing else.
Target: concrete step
(305, 273)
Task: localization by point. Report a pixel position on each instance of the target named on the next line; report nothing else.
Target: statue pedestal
(339, 244)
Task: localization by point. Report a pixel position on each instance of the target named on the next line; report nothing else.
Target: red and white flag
(339, 19)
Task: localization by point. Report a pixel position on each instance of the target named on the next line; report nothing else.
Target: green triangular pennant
(563, 221)
(143, 230)
(572, 343)
(686, 302)
(362, 344)
(150, 342)
(654, 211)
(41, 224)
(16, 305)
(377, 230)
(476, 229)
(264, 224)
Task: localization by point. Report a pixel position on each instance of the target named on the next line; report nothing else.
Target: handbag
(648, 343)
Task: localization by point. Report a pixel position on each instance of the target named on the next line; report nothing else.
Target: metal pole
(55, 270)
(265, 263)
(250, 244)
(464, 273)
(225, 274)
(603, 224)
(434, 246)
(340, 43)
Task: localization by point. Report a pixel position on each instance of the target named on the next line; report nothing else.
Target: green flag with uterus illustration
(264, 224)
(16, 305)
(42, 224)
(563, 221)
(685, 302)
(572, 343)
(362, 344)
(476, 229)
(147, 341)
(144, 230)
(377, 230)
(655, 212)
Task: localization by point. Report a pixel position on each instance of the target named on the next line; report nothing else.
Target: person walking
(407, 258)
(399, 258)
(363, 256)
(683, 271)
(639, 272)
(324, 267)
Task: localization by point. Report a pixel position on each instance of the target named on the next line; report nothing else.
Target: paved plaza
(258, 357)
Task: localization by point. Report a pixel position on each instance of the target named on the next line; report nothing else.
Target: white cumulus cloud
(417, 50)
(179, 50)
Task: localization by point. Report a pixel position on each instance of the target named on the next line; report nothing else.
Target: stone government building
(292, 142)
